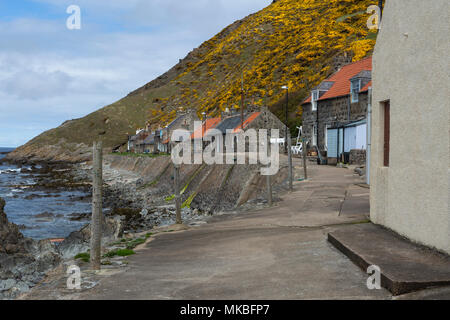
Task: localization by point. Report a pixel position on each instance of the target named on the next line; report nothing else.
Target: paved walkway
(274, 253)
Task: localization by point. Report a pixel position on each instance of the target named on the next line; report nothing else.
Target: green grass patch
(170, 198)
(84, 256)
(134, 243)
(119, 252)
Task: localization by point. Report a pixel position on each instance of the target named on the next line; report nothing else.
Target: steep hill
(292, 42)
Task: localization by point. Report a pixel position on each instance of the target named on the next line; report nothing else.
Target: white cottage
(410, 162)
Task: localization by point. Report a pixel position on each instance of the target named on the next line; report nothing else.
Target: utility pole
(290, 161)
(96, 219)
(286, 116)
(242, 101)
(304, 158)
(177, 193)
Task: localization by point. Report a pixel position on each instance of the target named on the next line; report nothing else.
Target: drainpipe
(368, 134)
(317, 137)
(348, 107)
(380, 5)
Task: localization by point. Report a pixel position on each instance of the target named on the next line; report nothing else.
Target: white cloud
(50, 74)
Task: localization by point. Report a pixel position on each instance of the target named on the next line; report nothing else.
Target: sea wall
(208, 188)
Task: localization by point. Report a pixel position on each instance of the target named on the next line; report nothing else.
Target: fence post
(96, 219)
(177, 193)
(269, 190)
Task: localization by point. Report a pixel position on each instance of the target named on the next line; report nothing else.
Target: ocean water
(24, 204)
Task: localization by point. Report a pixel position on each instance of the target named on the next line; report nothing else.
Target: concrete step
(405, 266)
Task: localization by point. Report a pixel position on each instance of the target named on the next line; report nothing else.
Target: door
(341, 143)
(314, 135)
(332, 137)
(350, 139)
(387, 132)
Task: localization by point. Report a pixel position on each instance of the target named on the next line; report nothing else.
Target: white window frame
(355, 95)
(314, 97)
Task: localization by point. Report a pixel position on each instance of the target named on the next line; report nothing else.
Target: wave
(10, 171)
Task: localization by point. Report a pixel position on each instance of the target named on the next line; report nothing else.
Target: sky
(50, 73)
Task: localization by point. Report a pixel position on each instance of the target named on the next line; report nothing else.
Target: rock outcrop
(23, 261)
(11, 240)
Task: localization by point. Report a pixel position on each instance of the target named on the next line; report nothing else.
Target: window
(314, 98)
(387, 132)
(355, 88)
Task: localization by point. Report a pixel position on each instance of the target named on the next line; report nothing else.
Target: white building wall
(411, 69)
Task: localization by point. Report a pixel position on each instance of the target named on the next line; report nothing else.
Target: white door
(314, 135)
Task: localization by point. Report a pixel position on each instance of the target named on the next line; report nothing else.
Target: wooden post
(269, 190)
(177, 193)
(304, 158)
(290, 161)
(96, 219)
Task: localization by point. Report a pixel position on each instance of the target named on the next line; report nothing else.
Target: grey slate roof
(230, 123)
(363, 74)
(149, 140)
(324, 86)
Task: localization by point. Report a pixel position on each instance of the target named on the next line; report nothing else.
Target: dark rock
(79, 216)
(44, 215)
(79, 241)
(23, 261)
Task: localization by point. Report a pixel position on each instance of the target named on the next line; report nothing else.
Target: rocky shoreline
(133, 204)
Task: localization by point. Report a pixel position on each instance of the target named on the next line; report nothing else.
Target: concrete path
(274, 253)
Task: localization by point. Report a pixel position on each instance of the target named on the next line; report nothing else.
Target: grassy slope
(290, 42)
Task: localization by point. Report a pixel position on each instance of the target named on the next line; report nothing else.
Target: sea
(40, 214)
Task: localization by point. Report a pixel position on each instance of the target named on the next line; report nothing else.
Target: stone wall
(357, 156)
(267, 120)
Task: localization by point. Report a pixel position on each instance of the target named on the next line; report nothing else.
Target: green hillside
(292, 42)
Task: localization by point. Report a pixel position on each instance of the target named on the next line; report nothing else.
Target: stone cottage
(254, 118)
(335, 103)
(410, 153)
(184, 120)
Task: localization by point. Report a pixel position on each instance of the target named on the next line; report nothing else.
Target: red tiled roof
(341, 79)
(209, 124)
(247, 121)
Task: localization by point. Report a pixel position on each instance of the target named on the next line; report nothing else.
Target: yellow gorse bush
(290, 42)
